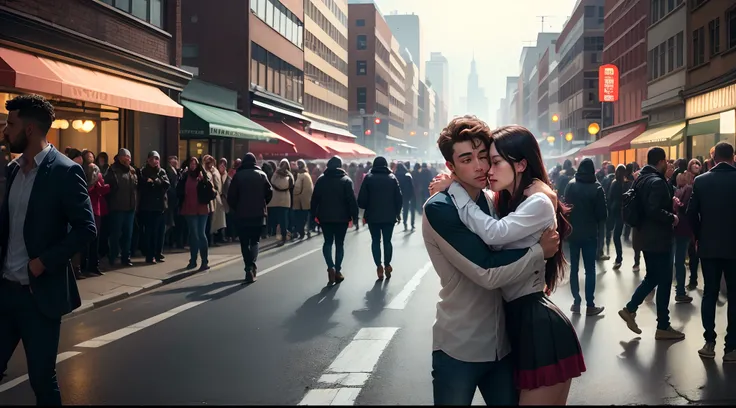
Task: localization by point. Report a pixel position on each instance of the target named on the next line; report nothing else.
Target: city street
(287, 339)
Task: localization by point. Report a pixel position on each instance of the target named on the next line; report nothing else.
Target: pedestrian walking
(196, 192)
(216, 220)
(713, 222)
(154, 188)
(380, 197)
(333, 206)
(694, 169)
(248, 197)
(122, 202)
(610, 221)
(303, 189)
(588, 201)
(406, 183)
(37, 286)
(280, 205)
(650, 213)
(619, 186)
(683, 234)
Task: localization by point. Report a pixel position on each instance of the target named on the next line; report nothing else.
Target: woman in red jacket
(97, 190)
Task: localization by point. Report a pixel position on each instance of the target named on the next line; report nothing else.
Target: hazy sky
(494, 29)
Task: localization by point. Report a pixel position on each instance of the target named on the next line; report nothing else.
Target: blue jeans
(588, 247)
(409, 206)
(197, 225)
(454, 381)
(121, 234)
(681, 246)
(278, 216)
(379, 230)
(334, 233)
(658, 275)
(713, 270)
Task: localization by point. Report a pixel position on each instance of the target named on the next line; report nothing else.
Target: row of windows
(660, 8)
(323, 23)
(336, 11)
(714, 38)
(281, 19)
(276, 75)
(325, 109)
(318, 47)
(666, 57)
(590, 11)
(593, 43)
(150, 11)
(624, 28)
(382, 53)
(325, 80)
(570, 55)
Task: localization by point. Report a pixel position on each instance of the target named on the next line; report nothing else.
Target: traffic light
(377, 121)
(367, 132)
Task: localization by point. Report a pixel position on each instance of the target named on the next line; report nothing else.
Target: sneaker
(630, 319)
(683, 299)
(594, 310)
(691, 286)
(617, 266)
(192, 265)
(729, 356)
(635, 269)
(604, 258)
(575, 309)
(708, 350)
(668, 334)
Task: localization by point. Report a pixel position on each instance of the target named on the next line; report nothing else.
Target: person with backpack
(648, 208)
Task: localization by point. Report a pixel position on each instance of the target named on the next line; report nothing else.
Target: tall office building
(438, 74)
(408, 32)
(477, 103)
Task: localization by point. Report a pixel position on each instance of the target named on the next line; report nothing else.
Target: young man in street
(470, 348)
(37, 286)
(713, 222)
(655, 237)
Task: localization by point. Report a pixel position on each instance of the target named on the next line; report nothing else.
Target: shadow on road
(375, 301)
(312, 319)
(196, 293)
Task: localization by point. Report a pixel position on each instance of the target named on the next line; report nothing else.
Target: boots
(338, 277)
(331, 275)
(379, 271)
(388, 270)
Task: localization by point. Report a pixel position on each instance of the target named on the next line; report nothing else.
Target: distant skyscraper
(408, 32)
(476, 99)
(438, 73)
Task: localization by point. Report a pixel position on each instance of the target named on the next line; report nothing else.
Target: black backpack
(631, 206)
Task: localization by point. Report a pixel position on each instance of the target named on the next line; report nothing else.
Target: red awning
(269, 150)
(305, 147)
(621, 139)
(38, 74)
(363, 151)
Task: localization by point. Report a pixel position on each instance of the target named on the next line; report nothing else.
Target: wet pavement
(287, 339)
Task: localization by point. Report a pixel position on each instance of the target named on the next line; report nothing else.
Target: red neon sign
(608, 83)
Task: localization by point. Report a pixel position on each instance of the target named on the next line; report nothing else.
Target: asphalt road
(287, 339)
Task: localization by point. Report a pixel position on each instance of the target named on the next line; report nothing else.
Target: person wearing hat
(333, 206)
(152, 204)
(123, 180)
(248, 195)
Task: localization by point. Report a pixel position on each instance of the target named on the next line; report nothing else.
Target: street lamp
(412, 133)
(426, 133)
(568, 136)
(551, 139)
(555, 118)
(594, 128)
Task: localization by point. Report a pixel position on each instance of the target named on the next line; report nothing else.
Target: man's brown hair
(463, 129)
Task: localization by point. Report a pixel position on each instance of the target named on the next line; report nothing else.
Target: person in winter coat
(606, 184)
(216, 222)
(278, 209)
(588, 201)
(154, 187)
(97, 191)
(122, 201)
(683, 233)
(195, 191)
(567, 173)
(380, 197)
(406, 183)
(303, 189)
(614, 199)
(694, 168)
(333, 206)
(248, 195)
(226, 234)
(175, 224)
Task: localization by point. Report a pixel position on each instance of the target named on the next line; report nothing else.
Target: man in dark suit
(45, 219)
(713, 222)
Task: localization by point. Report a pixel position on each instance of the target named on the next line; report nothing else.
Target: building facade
(407, 30)
(710, 91)
(477, 102)
(438, 74)
(579, 46)
(326, 61)
(111, 71)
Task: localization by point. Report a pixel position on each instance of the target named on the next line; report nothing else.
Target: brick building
(625, 46)
(710, 90)
(109, 69)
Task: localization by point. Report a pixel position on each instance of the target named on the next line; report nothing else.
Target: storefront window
(149, 134)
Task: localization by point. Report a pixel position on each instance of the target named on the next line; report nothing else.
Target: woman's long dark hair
(514, 144)
(620, 174)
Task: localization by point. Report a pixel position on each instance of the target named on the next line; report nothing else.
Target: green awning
(704, 126)
(204, 121)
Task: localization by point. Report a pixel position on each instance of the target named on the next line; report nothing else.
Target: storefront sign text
(608, 83)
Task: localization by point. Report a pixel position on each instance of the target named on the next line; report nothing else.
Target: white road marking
(23, 378)
(296, 258)
(400, 301)
(352, 368)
